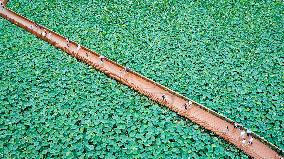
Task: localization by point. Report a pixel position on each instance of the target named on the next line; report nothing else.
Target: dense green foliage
(54, 106)
(226, 56)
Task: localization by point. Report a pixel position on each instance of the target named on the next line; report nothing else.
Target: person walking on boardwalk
(242, 135)
(244, 141)
(250, 141)
(163, 96)
(78, 48)
(67, 42)
(248, 132)
(236, 125)
(102, 58)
